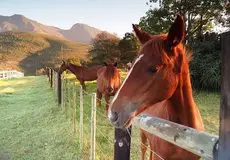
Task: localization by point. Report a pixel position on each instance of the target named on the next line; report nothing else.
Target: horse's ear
(105, 64)
(115, 64)
(176, 32)
(141, 35)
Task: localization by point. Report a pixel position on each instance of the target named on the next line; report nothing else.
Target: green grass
(104, 129)
(34, 127)
(209, 105)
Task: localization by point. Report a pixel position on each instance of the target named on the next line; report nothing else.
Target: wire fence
(96, 135)
(77, 105)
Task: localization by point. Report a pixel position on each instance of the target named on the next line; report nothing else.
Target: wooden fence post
(224, 133)
(122, 144)
(66, 97)
(69, 100)
(47, 73)
(93, 127)
(74, 110)
(54, 80)
(62, 91)
(51, 78)
(81, 118)
(54, 83)
(59, 89)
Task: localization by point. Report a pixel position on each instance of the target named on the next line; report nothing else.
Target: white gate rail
(197, 142)
(4, 74)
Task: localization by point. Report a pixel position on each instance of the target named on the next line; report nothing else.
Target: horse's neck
(184, 104)
(73, 68)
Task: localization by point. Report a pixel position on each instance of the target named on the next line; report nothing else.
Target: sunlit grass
(209, 105)
(7, 90)
(33, 126)
(12, 82)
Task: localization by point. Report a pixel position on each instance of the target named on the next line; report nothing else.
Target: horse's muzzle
(113, 117)
(122, 117)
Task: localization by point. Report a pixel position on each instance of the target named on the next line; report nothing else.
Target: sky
(115, 16)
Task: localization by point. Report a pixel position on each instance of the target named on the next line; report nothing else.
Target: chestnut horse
(159, 84)
(82, 73)
(108, 82)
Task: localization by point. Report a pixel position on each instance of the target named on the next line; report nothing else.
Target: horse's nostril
(114, 117)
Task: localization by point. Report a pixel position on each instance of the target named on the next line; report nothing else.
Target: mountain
(77, 33)
(31, 52)
(84, 33)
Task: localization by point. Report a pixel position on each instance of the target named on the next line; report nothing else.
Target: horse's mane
(111, 72)
(74, 65)
(156, 44)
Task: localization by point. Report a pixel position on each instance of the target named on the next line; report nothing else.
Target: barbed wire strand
(147, 147)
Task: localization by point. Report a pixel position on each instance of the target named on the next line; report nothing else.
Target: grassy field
(33, 127)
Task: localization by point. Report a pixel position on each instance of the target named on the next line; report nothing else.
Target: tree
(198, 15)
(104, 48)
(128, 47)
(224, 17)
(156, 21)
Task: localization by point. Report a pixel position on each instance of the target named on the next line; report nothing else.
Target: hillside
(31, 52)
(77, 33)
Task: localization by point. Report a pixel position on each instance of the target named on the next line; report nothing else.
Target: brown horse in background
(108, 82)
(82, 73)
(159, 84)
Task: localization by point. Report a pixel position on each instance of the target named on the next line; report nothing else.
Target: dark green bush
(205, 64)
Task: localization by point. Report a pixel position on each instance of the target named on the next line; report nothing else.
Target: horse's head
(154, 75)
(63, 67)
(112, 77)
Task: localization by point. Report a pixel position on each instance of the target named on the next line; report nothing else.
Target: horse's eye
(152, 70)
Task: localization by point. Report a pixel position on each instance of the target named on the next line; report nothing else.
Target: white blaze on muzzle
(129, 73)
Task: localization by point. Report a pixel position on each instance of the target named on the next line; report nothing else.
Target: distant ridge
(31, 52)
(78, 32)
